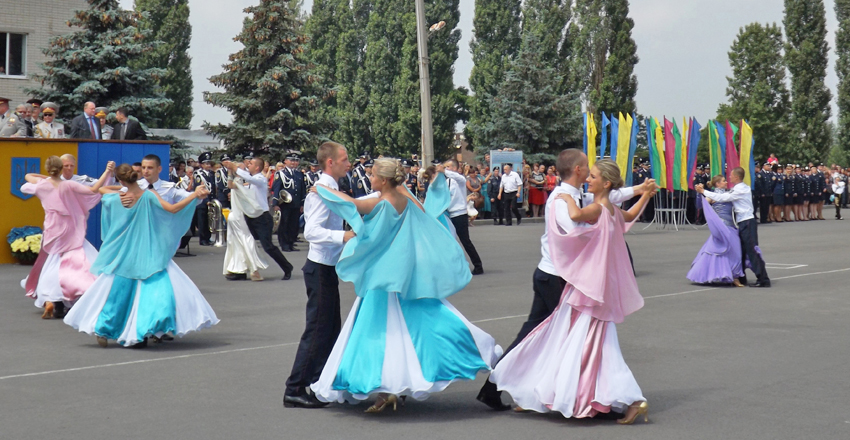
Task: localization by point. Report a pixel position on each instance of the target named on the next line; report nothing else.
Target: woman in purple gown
(719, 260)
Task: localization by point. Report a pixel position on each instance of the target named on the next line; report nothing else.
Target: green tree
(757, 91)
(841, 148)
(168, 21)
(616, 92)
(272, 90)
(528, 112)
(92, 63)
(496, 40)
(806, 56)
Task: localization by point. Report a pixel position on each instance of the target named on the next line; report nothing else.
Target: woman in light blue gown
(401, 338)
(139, 292)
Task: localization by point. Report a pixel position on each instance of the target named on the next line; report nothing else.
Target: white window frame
(5, 74)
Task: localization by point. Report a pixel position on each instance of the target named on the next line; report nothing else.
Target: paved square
(713, 362)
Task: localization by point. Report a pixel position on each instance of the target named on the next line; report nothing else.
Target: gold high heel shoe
(642, 410)
(376, 408)
(48, 311)
(737, 283)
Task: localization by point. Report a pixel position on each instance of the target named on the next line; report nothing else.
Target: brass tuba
(217, 226)
(284, 196)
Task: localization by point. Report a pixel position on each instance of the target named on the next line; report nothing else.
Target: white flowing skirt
(242, 255)
(543, 372)
(49, 289)
(401, 372)
(192, 312)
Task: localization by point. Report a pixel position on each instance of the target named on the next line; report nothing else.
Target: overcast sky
(682, 47)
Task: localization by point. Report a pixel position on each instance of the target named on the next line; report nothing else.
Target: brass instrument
(284, 196)
(217, 226)
(276, 218)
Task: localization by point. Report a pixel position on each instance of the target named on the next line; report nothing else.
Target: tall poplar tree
(806, 56)
(495, 42)
(616, 92)
(270, 87)
(842, 68)
(757, 91)
(93, 63)
(168, 21)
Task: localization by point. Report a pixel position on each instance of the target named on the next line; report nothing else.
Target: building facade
(26, 28)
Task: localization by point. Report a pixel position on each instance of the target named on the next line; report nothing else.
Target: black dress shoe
(236, 276)
(518, 221)
(205, 243)
(478, 271)
(58, 310)
(305, 401)
(287, 249)
(287, 271)
(492, 399)
(142, 344)
(761, 284)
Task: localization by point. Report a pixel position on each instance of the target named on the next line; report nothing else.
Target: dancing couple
(401, 338)
(566, 357)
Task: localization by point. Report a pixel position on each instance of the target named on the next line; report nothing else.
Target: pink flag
(731, 152)
(669, 151)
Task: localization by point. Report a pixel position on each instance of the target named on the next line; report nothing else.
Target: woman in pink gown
(61, 274)
(571, 362)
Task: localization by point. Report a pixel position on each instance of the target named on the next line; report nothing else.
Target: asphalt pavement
(714, 363)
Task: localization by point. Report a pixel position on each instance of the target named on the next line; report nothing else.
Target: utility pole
(424, 85)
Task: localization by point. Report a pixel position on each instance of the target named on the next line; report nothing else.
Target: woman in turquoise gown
(139, 292)
(401, 338)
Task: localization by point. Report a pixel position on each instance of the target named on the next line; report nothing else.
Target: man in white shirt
(69, 168)
(510, 186)
(573, 169)
(742, 202)
(261, 226)
(458, 213)
(323, 230)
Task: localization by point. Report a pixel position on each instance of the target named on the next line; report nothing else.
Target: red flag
(731, 152)
(669, 151)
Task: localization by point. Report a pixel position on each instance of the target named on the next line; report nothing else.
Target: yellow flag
(662, 159)
(684, 173)
(746, 152)
(624, 138)
(591, 140)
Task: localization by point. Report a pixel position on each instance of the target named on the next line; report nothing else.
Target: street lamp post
(424, 85)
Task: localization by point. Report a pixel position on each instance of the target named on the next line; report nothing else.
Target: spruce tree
(616, 92)
(806, 56)
(841, 149)
(93, 63)
(528, 112)
(168, 21)
(272, 90)
(496, 40)
(757, 90)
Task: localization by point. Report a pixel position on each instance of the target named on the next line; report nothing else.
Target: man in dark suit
(126, 128)
(289, 180)
(86, 125)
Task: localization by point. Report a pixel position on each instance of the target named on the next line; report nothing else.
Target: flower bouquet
(25, 243)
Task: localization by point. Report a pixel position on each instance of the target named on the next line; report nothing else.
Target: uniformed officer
(367, 177)
(764, 189)
(222, 192)
(13, 125)
(790, 193)
(48, 128)
(358, 176)
(35, 107)
(778, 186)
(204, 176)
(411, 181)
(312, 176)
(289, 180)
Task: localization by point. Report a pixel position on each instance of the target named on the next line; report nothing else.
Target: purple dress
(719, 260)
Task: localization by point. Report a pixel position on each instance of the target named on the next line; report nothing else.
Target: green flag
(677, 159)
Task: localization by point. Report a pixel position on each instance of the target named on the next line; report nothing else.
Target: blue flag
(604, 146)
(632, 149)
(693, 143)
(615, 128)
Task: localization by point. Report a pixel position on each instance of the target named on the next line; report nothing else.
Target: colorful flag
(660, 176)
(604, 144)
(669, 152)
(615, 132)
(623, 141)
(731, 151)
(684, 158)
(721, 140)
(713, 150)
(632, 149)
(590, 135)
(746, 157)
(584, 138)
(693, 144)
(677, 157)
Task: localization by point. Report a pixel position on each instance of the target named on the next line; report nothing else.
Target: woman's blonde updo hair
(126, 173)
(609, 172)
(716, 180)
(53, 165)
(389, 169)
